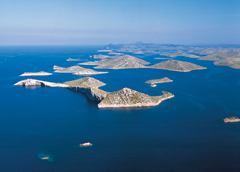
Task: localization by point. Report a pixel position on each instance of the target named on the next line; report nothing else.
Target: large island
(124, 98)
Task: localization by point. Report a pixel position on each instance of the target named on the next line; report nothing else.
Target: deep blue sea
(182, 134)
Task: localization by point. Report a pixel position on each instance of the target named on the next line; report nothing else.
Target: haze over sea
(184, 133)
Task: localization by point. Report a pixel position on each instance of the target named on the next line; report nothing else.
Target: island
(85, 144)
(176, 65)
(231, 119)
(221, 56)
(100, 56)
(70, 59)
(76, 70)
(128, 98)
(153, 82)
(38, 83)
(124, 98)
(118, 62)
(42, 73)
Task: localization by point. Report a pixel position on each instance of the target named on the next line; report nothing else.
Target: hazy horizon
(102, 22)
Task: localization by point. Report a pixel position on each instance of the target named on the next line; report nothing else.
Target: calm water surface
(181, 134)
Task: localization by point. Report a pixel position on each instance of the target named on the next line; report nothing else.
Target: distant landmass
(76, 70)
(221, 56)
(70, 59)
(175, 65)
(118, 62)
(42, 73)
(153, 82)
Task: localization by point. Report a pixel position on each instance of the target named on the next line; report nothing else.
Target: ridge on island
(76, 70)
(176, 65)
(231, 119)
(118, 62)
(41, 73)
(153, 82)
(126, 98)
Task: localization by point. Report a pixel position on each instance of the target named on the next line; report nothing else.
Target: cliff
(157, 81)
(88, 86)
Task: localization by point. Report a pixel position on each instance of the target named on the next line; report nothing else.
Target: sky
(100, 22)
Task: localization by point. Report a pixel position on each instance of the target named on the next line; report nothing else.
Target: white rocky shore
(42, 73)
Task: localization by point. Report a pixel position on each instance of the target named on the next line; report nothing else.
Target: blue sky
(95, 22)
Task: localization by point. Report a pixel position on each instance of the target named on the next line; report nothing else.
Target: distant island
(70, 59)
(153, 82)
(231, 119)
(124, 98)
(42, 73)
(176, 65)
(221, 56)
(100, 56)
(76, 70)
(118, 62)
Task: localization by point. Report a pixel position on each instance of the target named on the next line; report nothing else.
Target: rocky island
(118, 62)
(231, 119)
(42, 73)
(221, 56)
(128, 98)
(153, 82)
(124, 98)
(176, 65)
(85, 144)
(76, 70)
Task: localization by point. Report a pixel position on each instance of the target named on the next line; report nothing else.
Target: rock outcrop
(231, 119)
(126, 98)
(85, 144)
(176, 65)
(153, 82)
(118, 62)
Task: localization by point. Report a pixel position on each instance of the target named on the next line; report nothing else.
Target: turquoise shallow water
(181, 134)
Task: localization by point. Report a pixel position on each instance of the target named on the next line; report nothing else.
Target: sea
(182, 134)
